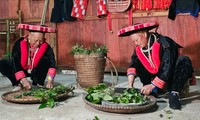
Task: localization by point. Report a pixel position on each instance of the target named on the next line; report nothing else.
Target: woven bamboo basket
(113, 108)
(122, 109)
(10, 97)
(118, 5)
(90, 69)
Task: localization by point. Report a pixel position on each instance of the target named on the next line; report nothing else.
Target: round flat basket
(10, 97)
(123, 109)
(118, 5)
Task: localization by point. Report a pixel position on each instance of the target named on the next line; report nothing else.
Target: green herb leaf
(107, 98)
(96, 118)
(43, 105)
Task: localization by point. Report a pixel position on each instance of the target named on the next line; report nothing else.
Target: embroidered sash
(155, 58)
(24, 54)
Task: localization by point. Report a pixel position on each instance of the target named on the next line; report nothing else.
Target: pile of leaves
(99, 92)
(49, 96)
(102, 92)
(79, 49)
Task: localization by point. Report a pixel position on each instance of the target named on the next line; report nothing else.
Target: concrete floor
(74, 108)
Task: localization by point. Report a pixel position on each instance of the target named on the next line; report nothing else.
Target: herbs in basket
(79, 49)
(102, 94)
(89, 64)
(47, 97)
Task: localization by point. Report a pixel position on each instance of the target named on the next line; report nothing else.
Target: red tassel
(109, 22)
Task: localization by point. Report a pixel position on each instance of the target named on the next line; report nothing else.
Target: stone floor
(74, 108)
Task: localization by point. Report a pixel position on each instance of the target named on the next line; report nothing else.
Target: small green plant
(96, 118)
(79, 49)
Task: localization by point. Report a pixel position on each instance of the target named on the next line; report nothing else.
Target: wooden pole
(53, 36)
(42, 22)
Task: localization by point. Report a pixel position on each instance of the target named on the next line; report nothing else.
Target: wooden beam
(31, 20)
(151, 13)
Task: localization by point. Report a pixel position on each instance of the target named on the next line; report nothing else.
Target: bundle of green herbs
(79, 49)
(102, 92)
(47, 95)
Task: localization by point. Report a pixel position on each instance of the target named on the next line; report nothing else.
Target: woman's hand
(49, 84)
(147, 89)
(25, 83)
(131, 79)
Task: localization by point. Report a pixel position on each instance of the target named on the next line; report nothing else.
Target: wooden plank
(4, 8)
(31, 20)
(126, 47)
(112, 42)
(99, 28)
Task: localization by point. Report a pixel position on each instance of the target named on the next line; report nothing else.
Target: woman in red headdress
(31, 57)
(156, 61)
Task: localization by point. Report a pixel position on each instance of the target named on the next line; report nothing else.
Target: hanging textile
(151, 4)
(147, 4)
(101, 8)
(68, 5)
(79, 8)
(57, 12)
(161, 4)
(62, 11)
(183, 6)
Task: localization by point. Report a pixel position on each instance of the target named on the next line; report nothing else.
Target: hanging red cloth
(101, 8)
(79, 8)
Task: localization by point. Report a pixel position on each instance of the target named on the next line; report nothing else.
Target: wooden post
(8, 37)
(42, 22)
(52, 36)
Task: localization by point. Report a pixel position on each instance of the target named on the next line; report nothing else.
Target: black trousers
(37, 75)
(182, 71)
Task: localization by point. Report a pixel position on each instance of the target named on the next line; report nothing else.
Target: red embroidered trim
(39, 54)
(24, 53)
(19, 75)
(131, 71)
(52, 71)
(36, 28)
(158, 82)
(154, 55)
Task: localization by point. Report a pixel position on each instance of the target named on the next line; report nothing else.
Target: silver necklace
(149, 48)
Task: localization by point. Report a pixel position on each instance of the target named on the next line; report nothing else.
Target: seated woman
(156, 62)
(31, 57)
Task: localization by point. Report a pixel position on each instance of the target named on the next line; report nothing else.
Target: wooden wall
(184, 30)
